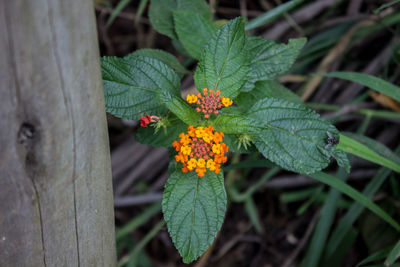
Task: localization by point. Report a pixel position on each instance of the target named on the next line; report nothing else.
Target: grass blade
(138, 221)
(140, 10)
(321, 232)
(394, 254)
(272, 14)
(133, 262)
(354, 194)
(121, 5)
(369, 81)
(378, 255)
(358, 149)
(252, 212)
(376, 11)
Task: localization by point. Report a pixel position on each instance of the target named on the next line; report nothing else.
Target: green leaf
(272, 14)
(379, 148)
(224, 63)
(270, 60)
(322, 229)
(194, 31)
(354, 194)
(232, 124)
(291, 135)
(378, 255)
(160, 13)
(137, 221)
(162, 56)
(369, 81)
(199, 6)
(355, 211)
(342, 159)
(233, 142)
(376, 11)
(358, 149)
(180, 108)
(194, 209)
(163, 138)
(132, 86)
(265, 89)
(121, 5)
(394, 254)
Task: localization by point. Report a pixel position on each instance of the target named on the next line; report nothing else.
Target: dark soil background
(139, 171)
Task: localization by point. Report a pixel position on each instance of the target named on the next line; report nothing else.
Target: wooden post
(56, 205)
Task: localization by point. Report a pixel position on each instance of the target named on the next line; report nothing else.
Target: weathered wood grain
(56, 205)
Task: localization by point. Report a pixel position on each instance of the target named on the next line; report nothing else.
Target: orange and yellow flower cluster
(201, 149)
(209, 102)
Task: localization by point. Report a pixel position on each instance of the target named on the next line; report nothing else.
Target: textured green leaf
(132, 86)
(148, 136)
(194, 31)
(194, 209)
(162, 56)
(265, 89)
(233, 124)
(342, 159)
(224, 63)
(180, 108)
(160, 13)
(269, 59)
(369, 81)
(291, 135)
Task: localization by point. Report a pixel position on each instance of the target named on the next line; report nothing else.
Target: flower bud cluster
(209, 102)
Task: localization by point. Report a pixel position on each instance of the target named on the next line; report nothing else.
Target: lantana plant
(239, 107)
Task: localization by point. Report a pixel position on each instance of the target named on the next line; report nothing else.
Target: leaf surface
(194, 209)
(162, 56)
(132, 86)
(161, 13)
(265, 89)
(269, 59)
(291, 135)
(194, 31)
(224, 64)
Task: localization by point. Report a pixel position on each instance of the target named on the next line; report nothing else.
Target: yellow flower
(226, 101)
(191, 98)
(186, 150)
(192, 163)
(199, 132)
(211, 165)
(207, 137)
(201, 163)
(216, 148)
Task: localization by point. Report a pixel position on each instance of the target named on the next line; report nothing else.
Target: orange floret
(201, 149)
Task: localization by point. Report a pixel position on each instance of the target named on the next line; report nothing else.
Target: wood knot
(26, 133)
